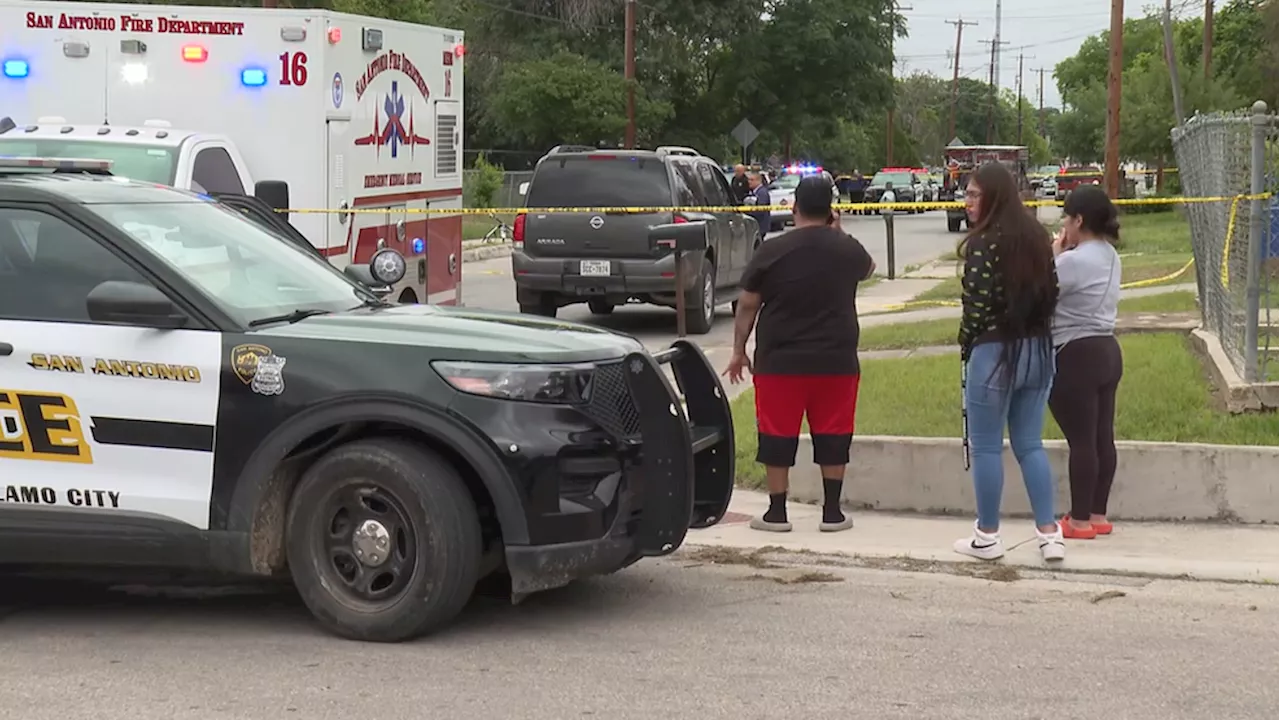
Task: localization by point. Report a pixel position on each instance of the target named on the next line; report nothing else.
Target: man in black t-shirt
(802, 286)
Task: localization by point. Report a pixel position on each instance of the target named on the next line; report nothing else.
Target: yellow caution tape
(641, 210)
(1226, 246)
(1159, 280)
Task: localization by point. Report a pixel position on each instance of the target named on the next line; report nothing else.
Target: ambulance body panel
(351, 112)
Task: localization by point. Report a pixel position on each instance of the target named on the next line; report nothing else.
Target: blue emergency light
(16, 68)
(253, 77)
(418, 246)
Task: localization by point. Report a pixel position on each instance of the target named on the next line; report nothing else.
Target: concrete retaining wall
(1154, 481)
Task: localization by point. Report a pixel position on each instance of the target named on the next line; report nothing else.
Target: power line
(960, 23)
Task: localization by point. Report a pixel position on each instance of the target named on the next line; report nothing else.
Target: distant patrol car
(187, 387)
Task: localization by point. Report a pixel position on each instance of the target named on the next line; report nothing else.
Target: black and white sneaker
(1052, 546)
(984, 546)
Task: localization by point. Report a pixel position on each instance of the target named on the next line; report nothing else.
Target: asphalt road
(676, 637)
(918, 240)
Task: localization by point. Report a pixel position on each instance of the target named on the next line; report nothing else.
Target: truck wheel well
(408, 297)
(267, 555)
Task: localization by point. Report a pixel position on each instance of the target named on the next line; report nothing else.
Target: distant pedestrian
(1089, 360)
(739, 185)
(759, 196)
(1009, 295)
(806, 355)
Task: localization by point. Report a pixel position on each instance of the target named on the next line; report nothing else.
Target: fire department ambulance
(308, 109)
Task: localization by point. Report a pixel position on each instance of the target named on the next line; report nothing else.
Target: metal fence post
(1257, 162)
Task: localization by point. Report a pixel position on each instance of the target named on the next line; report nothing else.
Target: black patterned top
(985, 311)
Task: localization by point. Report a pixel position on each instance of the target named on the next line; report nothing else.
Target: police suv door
(106, 425)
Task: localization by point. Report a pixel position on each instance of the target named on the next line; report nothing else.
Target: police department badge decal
(268, 379)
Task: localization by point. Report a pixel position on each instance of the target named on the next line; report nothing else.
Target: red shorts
(782, 401)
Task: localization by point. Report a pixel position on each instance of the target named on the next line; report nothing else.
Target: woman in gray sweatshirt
(1083, 399)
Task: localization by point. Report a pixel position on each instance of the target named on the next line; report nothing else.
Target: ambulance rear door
(53, 60)
(384, 142)
(251, 76)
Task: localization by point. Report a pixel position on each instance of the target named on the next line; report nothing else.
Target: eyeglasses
(972, 194)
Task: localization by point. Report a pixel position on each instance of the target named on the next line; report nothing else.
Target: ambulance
(319, 112)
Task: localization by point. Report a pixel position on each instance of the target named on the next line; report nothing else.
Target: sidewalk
(893, 293)
(1232, 553)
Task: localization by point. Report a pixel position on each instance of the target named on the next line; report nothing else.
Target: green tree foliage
(924, 113)
(1244, 69)
(480, 188)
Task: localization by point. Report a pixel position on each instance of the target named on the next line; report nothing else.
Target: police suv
(186, 386)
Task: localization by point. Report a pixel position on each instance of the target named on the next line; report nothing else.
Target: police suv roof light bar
(56, 163)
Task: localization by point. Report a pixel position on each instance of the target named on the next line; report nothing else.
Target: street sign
(745, 133)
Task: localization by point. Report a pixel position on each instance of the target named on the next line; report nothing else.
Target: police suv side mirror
(388, 266)
(681, 237)
(130, 303)
(274, 193)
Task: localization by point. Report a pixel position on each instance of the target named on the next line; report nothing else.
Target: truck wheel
(700, 310)
(953, 224)
(543, 309)
(599, 306)
(383, 541)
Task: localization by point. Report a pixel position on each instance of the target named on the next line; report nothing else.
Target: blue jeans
(994, 397)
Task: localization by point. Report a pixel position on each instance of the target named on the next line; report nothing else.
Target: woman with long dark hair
(1009, 294)
(1089, 361)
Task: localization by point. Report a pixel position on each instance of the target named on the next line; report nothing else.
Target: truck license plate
(595, 268)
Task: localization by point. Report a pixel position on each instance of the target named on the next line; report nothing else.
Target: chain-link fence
(1226, 155)
(508, 196)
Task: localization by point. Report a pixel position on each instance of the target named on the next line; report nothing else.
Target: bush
(483, 183)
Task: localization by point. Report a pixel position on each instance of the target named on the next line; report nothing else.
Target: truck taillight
(517, 232)
(679, 219)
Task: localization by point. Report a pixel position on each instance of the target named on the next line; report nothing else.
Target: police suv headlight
(558, 384)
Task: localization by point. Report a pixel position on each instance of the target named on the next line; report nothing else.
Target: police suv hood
(464, 334)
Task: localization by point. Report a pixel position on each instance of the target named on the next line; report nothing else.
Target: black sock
(831, 500)
(777, 508)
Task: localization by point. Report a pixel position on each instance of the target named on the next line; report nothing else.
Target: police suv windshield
(897, 178)
(790, 181)
(251, 273)
(147, 163)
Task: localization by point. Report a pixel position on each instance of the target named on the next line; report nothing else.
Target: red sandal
(1072, 532)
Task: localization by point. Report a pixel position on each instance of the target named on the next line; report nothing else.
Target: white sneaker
(984, 546)
(1052, 546)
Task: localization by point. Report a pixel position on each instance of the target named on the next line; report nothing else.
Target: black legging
(1083, 402)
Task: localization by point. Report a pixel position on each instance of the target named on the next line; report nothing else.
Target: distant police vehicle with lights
(185, 387)
(782, 192)
(907, 188)
(609, 258)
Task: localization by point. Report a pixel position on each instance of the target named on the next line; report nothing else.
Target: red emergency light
(335, 35)
(459, 50)
(194, 53)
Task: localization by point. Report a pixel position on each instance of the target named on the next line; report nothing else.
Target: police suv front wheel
(383, 541)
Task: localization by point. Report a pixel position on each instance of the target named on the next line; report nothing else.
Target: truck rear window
(145, 163)
(605, 182)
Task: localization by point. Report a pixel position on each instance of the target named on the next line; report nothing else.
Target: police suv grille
(609, 401)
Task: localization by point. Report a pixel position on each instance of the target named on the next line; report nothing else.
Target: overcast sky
(1045, 32)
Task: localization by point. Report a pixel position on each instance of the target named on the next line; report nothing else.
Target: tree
(566, 98)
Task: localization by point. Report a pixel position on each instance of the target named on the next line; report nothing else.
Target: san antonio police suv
(185, 385)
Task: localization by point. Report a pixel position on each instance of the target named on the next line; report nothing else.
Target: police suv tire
(696, 317)
(446, 527)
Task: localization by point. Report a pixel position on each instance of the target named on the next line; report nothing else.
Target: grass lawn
(475, 226)
(900, 336)
(1164, 397)
(1156, 245)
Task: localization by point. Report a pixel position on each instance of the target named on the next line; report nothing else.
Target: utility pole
(1020, 58)
(629, 47)
(1111, 181)
(991, 81)
(995, 51)
(1171, 59)
(893, 97)
(1208, 39)
(1041, 112)
(959, 22)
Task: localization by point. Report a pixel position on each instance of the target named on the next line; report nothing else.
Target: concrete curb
(485, 252)
(1238, 395)
(1154, 481)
